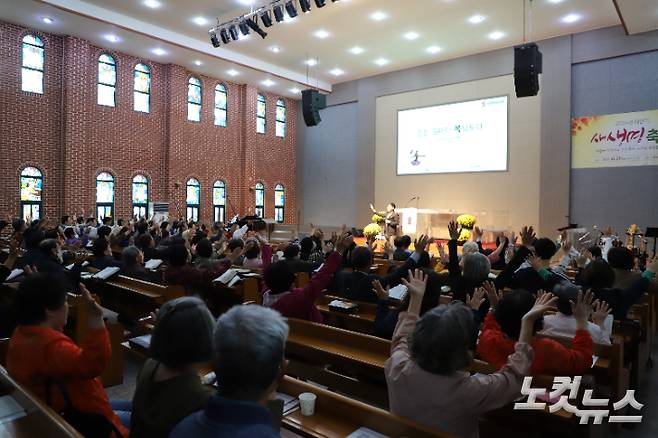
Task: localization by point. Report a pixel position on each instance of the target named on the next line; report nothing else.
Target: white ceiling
(440, 23)
(638, 15)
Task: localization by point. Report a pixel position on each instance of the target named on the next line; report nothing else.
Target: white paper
(241, 232)
(143, 341)
(107, 272)
(153, 264)
(235, 281)
(10, 409)
(319, 267)
(15, 273)
(398, 292)
(227, 276)
(364, 432)
(594, 360)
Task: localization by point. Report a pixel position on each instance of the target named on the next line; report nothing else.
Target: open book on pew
(153, 264)
(364, 432)
(69, 267)
(14, 274)
(143, 342)
(290, 403)
(107, 272)
(233, 276)
(10, 410)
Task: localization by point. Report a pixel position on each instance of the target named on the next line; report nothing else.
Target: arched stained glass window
(221, 105)
(260, 200)
(140, 196)
(219, 200)
(280, 118)
(33, 54)
(107, 80)
(142, 88)
(31, 187)
(279, 203)
(104, 196)
(194, 99)
(261, 109)
(193, 199)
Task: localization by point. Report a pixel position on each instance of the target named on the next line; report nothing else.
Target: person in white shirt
(563, 323)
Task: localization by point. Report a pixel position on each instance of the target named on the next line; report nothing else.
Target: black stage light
(256, 28)
(278, 13)
(291, 9)
(244, 28)
(214, 40)
(224, 35)
(234, 32)
(305, 5)
(266, 18)
(319, 3)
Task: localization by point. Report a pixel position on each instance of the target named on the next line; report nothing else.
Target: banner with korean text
(615, 140)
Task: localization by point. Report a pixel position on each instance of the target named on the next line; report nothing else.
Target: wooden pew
(79, 313)
(345, 361)
(337, 416)
(40, 421)
(362, 321)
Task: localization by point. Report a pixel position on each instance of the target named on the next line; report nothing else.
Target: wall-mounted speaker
(527, 68)
(312, 103)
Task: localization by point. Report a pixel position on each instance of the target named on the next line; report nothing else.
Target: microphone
(412, 199)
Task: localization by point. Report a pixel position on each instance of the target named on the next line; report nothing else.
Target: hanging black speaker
(527, 68)
(312, 103)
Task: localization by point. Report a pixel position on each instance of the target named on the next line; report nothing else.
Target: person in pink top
(299, 302)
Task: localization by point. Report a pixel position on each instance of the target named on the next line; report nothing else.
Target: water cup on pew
(307, 403)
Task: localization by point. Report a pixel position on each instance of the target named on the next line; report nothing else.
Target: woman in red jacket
(501, 331)
(39, 351)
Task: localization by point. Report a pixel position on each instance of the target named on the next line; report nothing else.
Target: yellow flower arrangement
(464, 236)
(466, 221)
(372, 230)
(378, 217)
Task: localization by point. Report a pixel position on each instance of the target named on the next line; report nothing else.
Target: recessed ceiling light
(496, 35)
(311, 62)
(268, 82)
(112, 38)
(47, 20)
(336, 72)
(247, 2)
(411, 35)
(200, 21)
(322, 34)
(197, 62)
(153, 4)
(555, 1)
(433, 49)
(356, 50)
(475, 19)
(158, 51)
(275, 49)
(381, 61)
(232, 72)
(571, 18)
(295, 90)
(378, 16)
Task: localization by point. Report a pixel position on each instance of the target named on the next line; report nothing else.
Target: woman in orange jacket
(40, 352)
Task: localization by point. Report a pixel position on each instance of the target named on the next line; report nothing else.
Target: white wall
(499, 199)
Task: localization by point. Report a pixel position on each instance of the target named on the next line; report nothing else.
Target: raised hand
(543, 304)
(416, 283)
(344, 242)
(600, 311)
(454, 230)
(475, 301)
(607, 231)
(477, 234)
(492, 294)
(382, 294)
(527, 236)
(535, 262)
(421, 243)
(582, 308)
(566, 246)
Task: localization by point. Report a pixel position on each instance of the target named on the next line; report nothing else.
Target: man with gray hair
(249, 343)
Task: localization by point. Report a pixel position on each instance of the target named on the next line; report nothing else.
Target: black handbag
(89, 424)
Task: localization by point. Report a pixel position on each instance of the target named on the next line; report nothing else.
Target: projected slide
(458, 137)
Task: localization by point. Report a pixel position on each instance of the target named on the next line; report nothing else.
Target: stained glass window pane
(142, 81)
(33, 57)
(32, 81)
(31, 188)
(260, 196)
(220, 98)
(104, 191)
(106, 95)
(140, 179)
(34, 40)
(104, 176)
(279, 197)
(220, 117)
(260, 108)
(260, 126)
(194, 91)
(107, 73)
(280, 129)
(140, 190)
(219, 196)
(193, 192)
(193, 112)
(280, 111)
(142, 103)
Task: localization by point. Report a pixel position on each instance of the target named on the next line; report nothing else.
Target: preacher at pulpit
(391, 219)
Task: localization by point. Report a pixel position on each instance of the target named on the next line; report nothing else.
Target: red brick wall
(71, 138)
